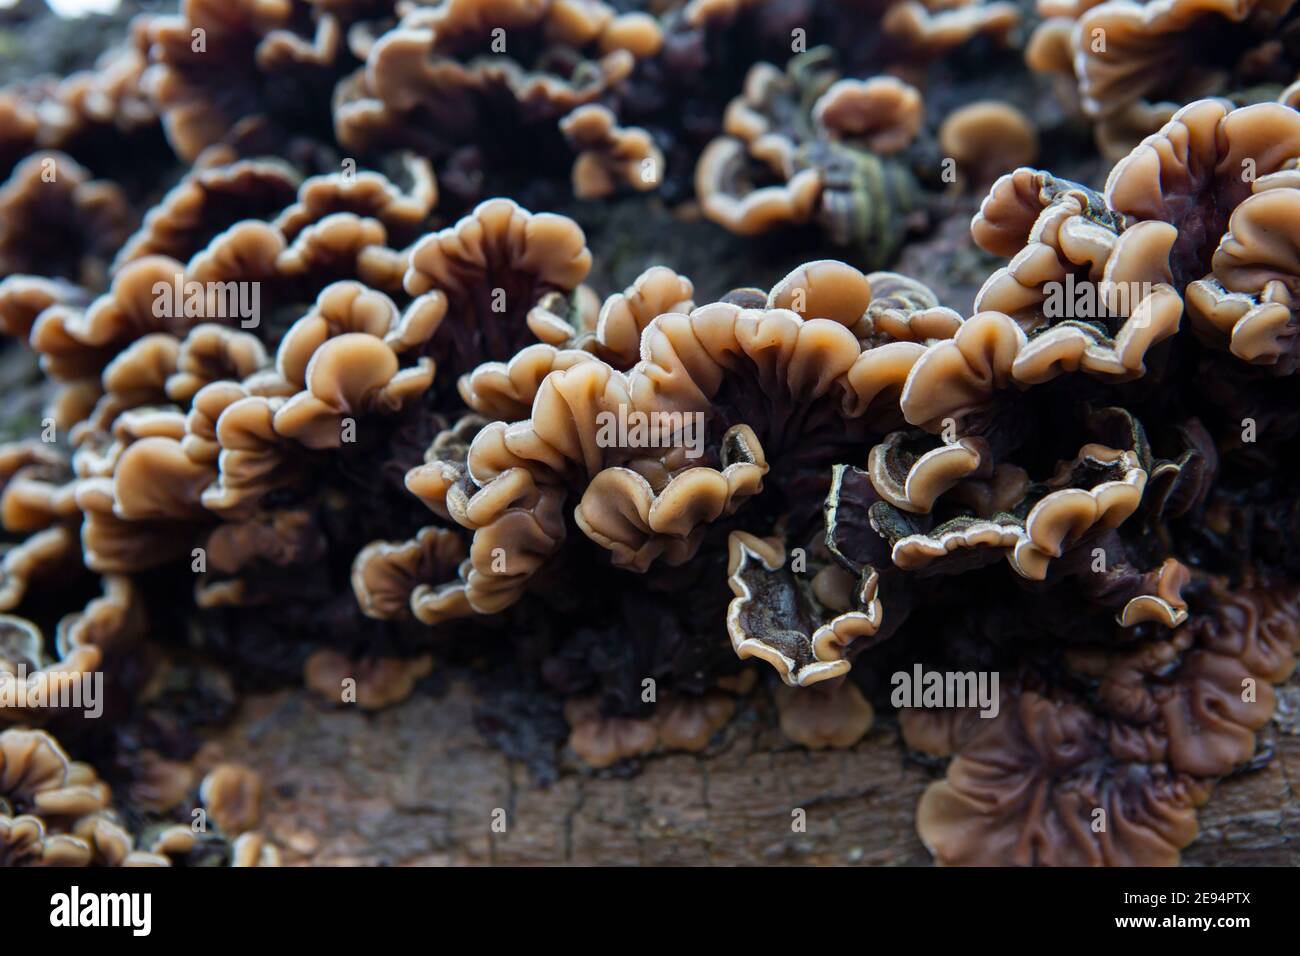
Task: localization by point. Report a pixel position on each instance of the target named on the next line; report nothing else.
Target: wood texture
(417, 785)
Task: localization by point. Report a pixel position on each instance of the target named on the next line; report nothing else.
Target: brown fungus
(1025, 786)
(54, 811)
(439, 65)
(988, 138)
(427, 427)
(416, 577)
(495, 265)
(1153, 53)
(642, 497)
(610, 157)
(214, 66)
(771, 619)
(372, 684)
(829, 715)
(232, 794)
(56, 221)
(804, 145)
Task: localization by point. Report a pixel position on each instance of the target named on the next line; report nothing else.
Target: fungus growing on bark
(929, 29)
(394, 579)
(804, 145)
(442, 71)
(377, 683)
(56, 221)
(219, 72)
(331, 431)
(609, 156)
(232, 794)
(205, 203)
(53, 811)
(1096, 491)
(704, 387)
(496, 264)
(680, 724)
(833, 715)
(1082, 292)
(1026, 787)
(768, 619)
(1247, 298)
(254, 849)
(1129, 66)
(988, 138)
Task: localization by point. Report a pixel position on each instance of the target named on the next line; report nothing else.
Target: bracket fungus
(410, 347)
(56, 812)
(805, 145)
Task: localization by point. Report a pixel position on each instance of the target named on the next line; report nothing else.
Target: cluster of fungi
(330, 405)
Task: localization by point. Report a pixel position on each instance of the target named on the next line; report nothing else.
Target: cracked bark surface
(417, 785)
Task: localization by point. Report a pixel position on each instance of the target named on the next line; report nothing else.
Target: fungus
(496, 264)
(642, 497)
(1089, 297)
(84, 640)
(609, 156)
(1044, 749)
(254, 849)
(678, 724)
(1247, 301)
(824, 145)
(1151, 53)
(882, 113)
(379, 683)
(211, 353)
(1023, 787)
(231, 78)
(1129, 66)
(988, 138)
(931, 28)
(1099, 489)
(205, 203)
(56, 221)
(232, 794)
(1190, 173)
(439, 66)
(837, 717)
(394, 579)
(54, 812)
(689, 723)
(602, 741)
(402, 202)
(728, 198)
(770, 619)
(434, 434)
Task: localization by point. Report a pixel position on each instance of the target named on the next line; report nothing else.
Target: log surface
(417, 785)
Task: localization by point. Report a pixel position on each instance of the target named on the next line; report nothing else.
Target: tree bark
(417, 785)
